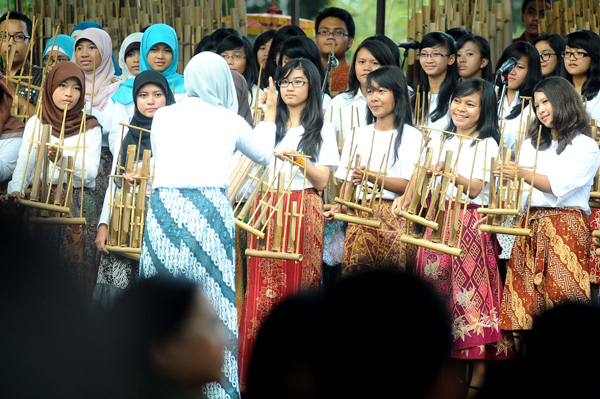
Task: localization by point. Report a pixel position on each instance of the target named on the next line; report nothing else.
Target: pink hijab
(106, 82)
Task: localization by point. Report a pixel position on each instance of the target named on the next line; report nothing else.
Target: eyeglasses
(336, 33)
(236, 57)
(432, 55)
(295, 83)
(17, 37)
(51, 60)
(577, 54)
(546, 56)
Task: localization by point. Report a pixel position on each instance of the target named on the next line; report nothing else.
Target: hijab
(131, 42)
(89, 24)
(63, 43)
(207, 76)
(104, 87)
(139, 120)
(10, 127)
(51, 114)
(158, 33)
(241, 90)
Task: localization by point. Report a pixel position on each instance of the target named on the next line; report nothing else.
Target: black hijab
(139, 120)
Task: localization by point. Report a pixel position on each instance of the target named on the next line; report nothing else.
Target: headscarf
(158, 33)
(10, 127)
(89, 24)
(131, 42)
(104, 88)
(241, 91)
(139, 120)
(51, 114)
(207, 76)
(63, 43)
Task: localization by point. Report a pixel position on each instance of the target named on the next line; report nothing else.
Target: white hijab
(134, 37)
(207, 76)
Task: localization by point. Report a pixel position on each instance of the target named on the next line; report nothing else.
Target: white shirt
(440, 124)
(9, 152)
(465, 164)
(593, 108)
(403, 167)
(193, 141)
(511, 126)
(328, 154)
(93, 142)
(104, 117)
(354, 113)
(571, 173)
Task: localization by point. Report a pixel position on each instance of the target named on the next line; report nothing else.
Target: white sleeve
(9, 153)
(120, 114)
(24, 170)
(340, 172)
(258, 143)
(328, 155)
(411, 141)
(93, 142)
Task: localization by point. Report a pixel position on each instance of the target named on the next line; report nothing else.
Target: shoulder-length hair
(392, 78)
(557, 44)
(534, 71)
(570, 117)
(484, 49)
(235, 42)
(382, 54)
(312, 114)
(282, 34)
(301, 47)
(435, 39)
(590, 42)
(487, 125)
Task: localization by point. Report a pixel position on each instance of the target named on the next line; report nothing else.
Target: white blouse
(403, 167)
(593, 108)
(354, 113)
(571, 173)
(193, 142)
(440, 124)
(9, 153)
(93, 142)
(511, 126)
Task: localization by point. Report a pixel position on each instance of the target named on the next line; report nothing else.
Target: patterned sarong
(190, 234)
(547, 269)
(594, 259)
(470, 285)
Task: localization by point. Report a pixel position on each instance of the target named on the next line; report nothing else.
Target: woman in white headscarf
(129, 56)
(190, 225)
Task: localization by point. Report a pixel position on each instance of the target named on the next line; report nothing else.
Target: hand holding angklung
(357, 175)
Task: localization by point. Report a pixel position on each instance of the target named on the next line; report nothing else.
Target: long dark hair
(261, 40)
(487, 125)
(270, 69)
(434, 39)
(484, 49)
(392, 79)
(534, 71)
(557, 44)
(235, 42)
(312, 114)
(390, 45)
(378, 50)
(590, 42)
(301, 47)
(570, 117)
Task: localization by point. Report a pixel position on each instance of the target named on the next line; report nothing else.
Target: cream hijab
(134, 37)
(207, 76)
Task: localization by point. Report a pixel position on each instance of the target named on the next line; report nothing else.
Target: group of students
(195, 132)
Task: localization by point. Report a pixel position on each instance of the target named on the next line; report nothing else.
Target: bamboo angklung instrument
(595, 191)
(127, 205)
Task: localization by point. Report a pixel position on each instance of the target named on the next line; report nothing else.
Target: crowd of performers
(200, 120)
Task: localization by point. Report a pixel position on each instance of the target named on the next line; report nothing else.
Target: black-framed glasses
(432, 55)
(294, 83)
(236, 57)
(337, 33)
(17, 37)
(546, 56)
(575, 54)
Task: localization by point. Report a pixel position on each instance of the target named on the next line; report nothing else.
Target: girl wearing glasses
(300, 128)
(62, 51)
(550, 46)
(237, 51)
(437, 56)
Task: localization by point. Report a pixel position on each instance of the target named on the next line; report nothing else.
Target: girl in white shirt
(552, 266)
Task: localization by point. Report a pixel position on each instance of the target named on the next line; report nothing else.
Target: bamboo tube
(41, 160)
(493, 211)
(279, 212)
(274, 255)
(127, 205)
(431, 245)
(44, 206)
(57, 221)
(123, 250)
(354, 205)
(249, 229)
(515, 231)
(420, 220)
(357, 220)
(115, 218)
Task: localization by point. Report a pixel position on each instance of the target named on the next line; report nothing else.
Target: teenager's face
(577, 67)
(434, 60)
(85, 54)
(160, 57)
(364, 65)
(465, 112)
(54, 57)
(236, 60)
(342, 41)
(15, 27)
(549, 65)
(518, 74)
(470, 63)
(294, 96)
(132, 59)
(543, 109)
(533, 11)
(149, 99)
(67, 94)
(263, 52)
(380, 100)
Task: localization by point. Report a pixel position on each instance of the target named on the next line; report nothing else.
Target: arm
(23, 172)
(93, 142)
(474, 189)
(541, 182)
(9, 153)
(120, 114)
(318, 176)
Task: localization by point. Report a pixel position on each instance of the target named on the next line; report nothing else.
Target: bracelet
(299, 160)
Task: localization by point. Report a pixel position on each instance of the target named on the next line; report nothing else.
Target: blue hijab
(159, 33)
(89, 24)
(66, 44)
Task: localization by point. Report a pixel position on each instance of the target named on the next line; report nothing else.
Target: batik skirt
(470, 286)
(116, 274)
(594, 259)
(549, 268)
(270, 281)
(189, 234)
